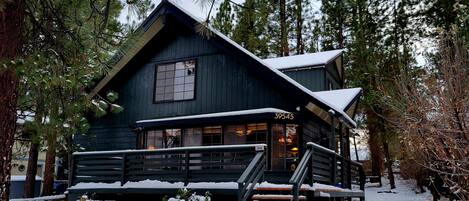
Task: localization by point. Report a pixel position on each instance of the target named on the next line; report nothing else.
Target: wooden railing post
(362, 178)
(124, 169)
(311, 172)
(342, 172)
(72, 169)
(334, 170)
(349, 174)
(186, 178)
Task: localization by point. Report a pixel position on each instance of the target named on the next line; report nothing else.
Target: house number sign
(283, 116)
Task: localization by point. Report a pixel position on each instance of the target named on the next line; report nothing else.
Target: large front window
(282, 140)
(175, 81)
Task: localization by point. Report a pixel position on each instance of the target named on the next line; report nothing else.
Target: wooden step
(279, 188)
(275, 197)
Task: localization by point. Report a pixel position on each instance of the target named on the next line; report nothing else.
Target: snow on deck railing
(256, 147)
(314, 145)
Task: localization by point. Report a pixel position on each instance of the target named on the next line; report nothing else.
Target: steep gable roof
(304, 60)
(153, 27)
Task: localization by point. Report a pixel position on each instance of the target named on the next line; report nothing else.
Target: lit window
(175, 81)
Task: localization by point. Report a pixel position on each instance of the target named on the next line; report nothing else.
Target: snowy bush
(187, 195)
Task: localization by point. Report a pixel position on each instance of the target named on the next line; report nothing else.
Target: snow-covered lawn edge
(404, 191)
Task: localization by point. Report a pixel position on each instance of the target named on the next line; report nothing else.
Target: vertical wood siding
(223, 83)
(313, 79)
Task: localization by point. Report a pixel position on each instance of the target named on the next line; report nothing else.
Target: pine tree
(333, 23)
(251, 28)
(223, 20)
(11, 44)
(65, 48)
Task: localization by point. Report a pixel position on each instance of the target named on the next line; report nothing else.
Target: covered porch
(279, 130)
(235, 171)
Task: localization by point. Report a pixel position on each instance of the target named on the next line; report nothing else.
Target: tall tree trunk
(374, 144)
(29, 185)
(341, 26)
(11, 42)
(300, 49)
(389, 164)
(285, 51)
(387, 155)
(48, 185)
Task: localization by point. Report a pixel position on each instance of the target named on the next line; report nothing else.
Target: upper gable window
(175, 81)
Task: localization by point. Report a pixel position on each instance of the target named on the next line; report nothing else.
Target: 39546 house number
(282, 116)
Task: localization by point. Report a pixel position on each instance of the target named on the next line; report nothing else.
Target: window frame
(155, 74)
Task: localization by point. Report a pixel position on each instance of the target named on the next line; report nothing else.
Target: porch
(234, 171)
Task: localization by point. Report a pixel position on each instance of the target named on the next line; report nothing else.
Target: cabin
(205, 114)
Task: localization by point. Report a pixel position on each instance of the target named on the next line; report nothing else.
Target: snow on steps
(275, 197)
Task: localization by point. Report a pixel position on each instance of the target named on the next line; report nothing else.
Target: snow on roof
(24, 116)
(43, 198)
(340, 98)
(304, 60)
(273, 69)
(22, 178)
(218, 114)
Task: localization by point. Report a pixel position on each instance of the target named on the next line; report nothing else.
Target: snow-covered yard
(404, 191)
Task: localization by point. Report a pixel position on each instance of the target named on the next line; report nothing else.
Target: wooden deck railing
(243, 164)
(324, 166)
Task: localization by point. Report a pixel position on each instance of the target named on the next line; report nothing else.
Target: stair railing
(251, 176)
(301, 171)
(312, 164)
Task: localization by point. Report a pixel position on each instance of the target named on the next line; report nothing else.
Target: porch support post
(342, 153)
(349, 164)
(332, 135)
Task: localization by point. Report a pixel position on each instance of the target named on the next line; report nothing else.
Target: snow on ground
(404, 191)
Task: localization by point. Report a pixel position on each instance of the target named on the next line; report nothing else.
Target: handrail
(306, 166)
(250, 177)
(299, 175)
(174, 150)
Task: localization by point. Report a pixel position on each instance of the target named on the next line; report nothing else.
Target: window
(175, 81)
(211, 135)
(159, 139)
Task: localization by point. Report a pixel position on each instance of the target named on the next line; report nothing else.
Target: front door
(284, 147)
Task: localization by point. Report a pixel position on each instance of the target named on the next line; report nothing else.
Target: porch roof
(251, 115)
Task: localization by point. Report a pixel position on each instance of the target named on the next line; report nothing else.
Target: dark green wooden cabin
(182, 89)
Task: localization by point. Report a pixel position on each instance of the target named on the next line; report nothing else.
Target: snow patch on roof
(218, 114)
(340, 98)
(44, 198)
(304, 60)
(22, 178)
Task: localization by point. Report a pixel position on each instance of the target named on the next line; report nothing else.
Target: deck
(238, 171)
